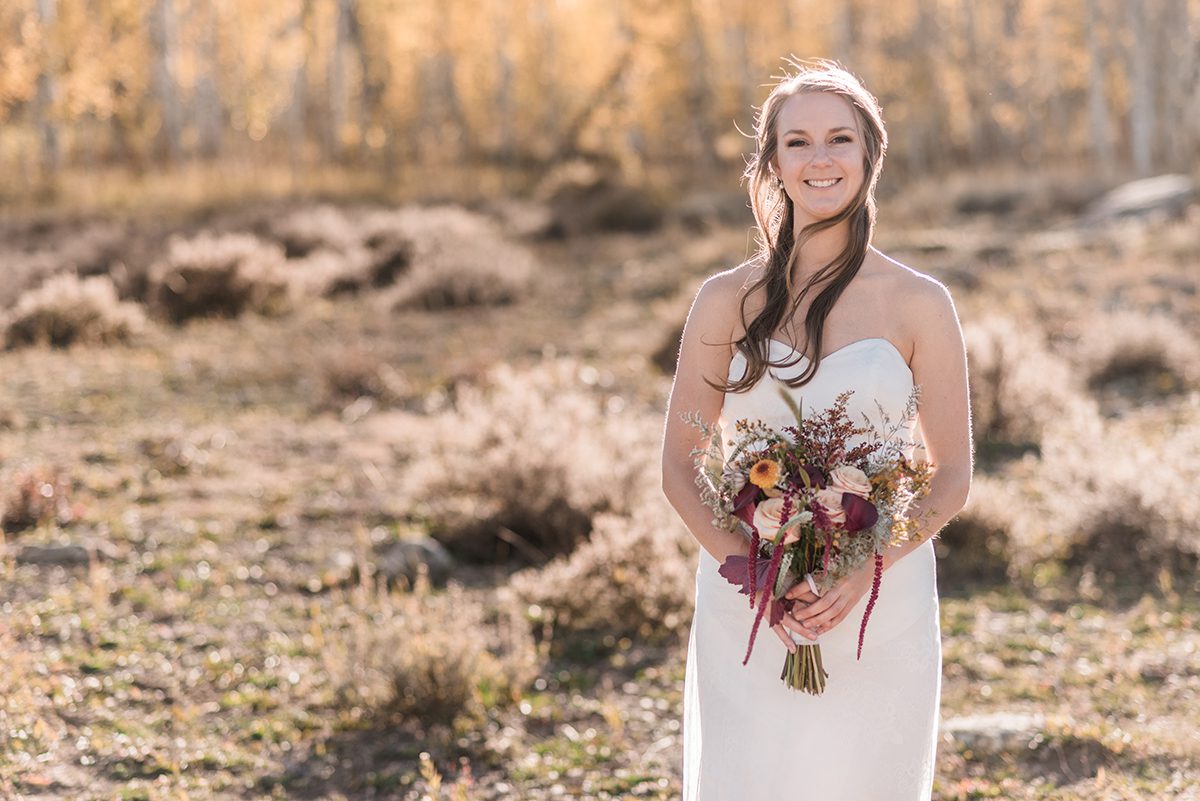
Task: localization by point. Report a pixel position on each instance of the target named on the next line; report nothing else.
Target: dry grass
(66, 310)
(41, 495)
(523, 462)
(1017, 386)
(226, 647)
(459, 259)
(1138, 355)
(633, 578)
(219, 276)
(416, 657)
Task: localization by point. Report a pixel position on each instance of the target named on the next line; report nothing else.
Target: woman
(822, 309)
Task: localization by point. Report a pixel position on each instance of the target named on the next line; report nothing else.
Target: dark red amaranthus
(753, 564)
(862, 630)
(772, 574)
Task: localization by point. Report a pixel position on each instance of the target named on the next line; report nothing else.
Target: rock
(1000, 731)
(63, 555)
(1163, 194)
(403, 559)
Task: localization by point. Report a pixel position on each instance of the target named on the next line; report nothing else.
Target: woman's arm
(939, 366)
(703, 352)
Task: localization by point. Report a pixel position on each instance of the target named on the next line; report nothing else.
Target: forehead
(816, 113)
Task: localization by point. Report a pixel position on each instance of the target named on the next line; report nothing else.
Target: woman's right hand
(789, 624)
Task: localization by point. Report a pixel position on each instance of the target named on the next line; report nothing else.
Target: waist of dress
(908, 589)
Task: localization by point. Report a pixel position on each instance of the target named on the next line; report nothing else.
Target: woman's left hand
(822, 613)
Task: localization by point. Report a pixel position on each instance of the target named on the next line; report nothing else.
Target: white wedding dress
(872, 735)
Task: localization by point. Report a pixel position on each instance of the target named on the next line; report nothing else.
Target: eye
(796, 143)
(841, 137)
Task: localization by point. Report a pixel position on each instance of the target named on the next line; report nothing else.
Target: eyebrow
(831, 130)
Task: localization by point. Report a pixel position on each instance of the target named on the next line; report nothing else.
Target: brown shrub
(1138, 355)
(37, 496)
(459, 259)
(431, 658)
(523, 462)
(66, 310)
(309, 229)
(585, 197)
(634, 577)
(351, 373)
(219, 276)
(1110, 502)
(1017, 386)
(976, 545)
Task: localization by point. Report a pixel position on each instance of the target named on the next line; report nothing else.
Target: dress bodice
(872, 368)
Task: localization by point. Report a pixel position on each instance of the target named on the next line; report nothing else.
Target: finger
(805, 597)
(825, 620)
(801, 591)
(817, 607)
(783, 635)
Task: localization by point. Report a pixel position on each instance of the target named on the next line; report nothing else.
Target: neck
(821, 249)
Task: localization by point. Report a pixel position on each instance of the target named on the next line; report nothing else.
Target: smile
(823, 183)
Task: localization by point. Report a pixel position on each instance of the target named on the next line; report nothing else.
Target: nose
(820, 154)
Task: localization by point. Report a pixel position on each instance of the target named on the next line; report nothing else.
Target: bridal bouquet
(814, 508)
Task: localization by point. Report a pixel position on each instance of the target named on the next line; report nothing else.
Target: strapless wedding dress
(872, 735)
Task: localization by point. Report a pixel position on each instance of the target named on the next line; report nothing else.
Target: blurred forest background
(335, 342)
(434, 96)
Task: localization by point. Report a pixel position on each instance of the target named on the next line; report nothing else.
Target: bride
(821, 309)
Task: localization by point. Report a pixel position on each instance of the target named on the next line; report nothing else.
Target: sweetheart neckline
(891, 346)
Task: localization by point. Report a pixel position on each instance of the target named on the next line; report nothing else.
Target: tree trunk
(296, 115)
(1142, 122)
(208, 116)
(47, 90)
(1099, 116)
(339, 103)
(164, 36)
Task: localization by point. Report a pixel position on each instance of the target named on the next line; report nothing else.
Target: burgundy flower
(744, 505)
(736, 570)
(860, 514)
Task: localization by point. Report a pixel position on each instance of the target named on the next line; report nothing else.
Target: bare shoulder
(925, 302)
(717, 306)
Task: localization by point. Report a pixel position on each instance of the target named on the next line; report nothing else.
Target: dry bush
(1017, 386)
(348, 374)
(634, 577)
(1105, 500)
(66, 309)
(585, 197)
(459, 259)
(524, 461)
(37, 496)
(220, 276)
(976, 545)
(1138, 355)
(309, 229)
(431, 658)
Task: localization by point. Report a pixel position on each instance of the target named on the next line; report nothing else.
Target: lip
(837, 181)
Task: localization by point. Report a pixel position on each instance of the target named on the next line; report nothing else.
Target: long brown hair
(774, 214)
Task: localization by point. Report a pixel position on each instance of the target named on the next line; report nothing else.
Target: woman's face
(818, 141)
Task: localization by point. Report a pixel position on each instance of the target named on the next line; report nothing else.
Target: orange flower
(765, 473)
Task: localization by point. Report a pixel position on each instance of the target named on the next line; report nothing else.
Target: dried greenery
(432, 659)
(524, 460)
(66, 310)
(632, 578)
(1138, 355)
(459, 259)
(211, 275)
(1017, 385)
(34, 497)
